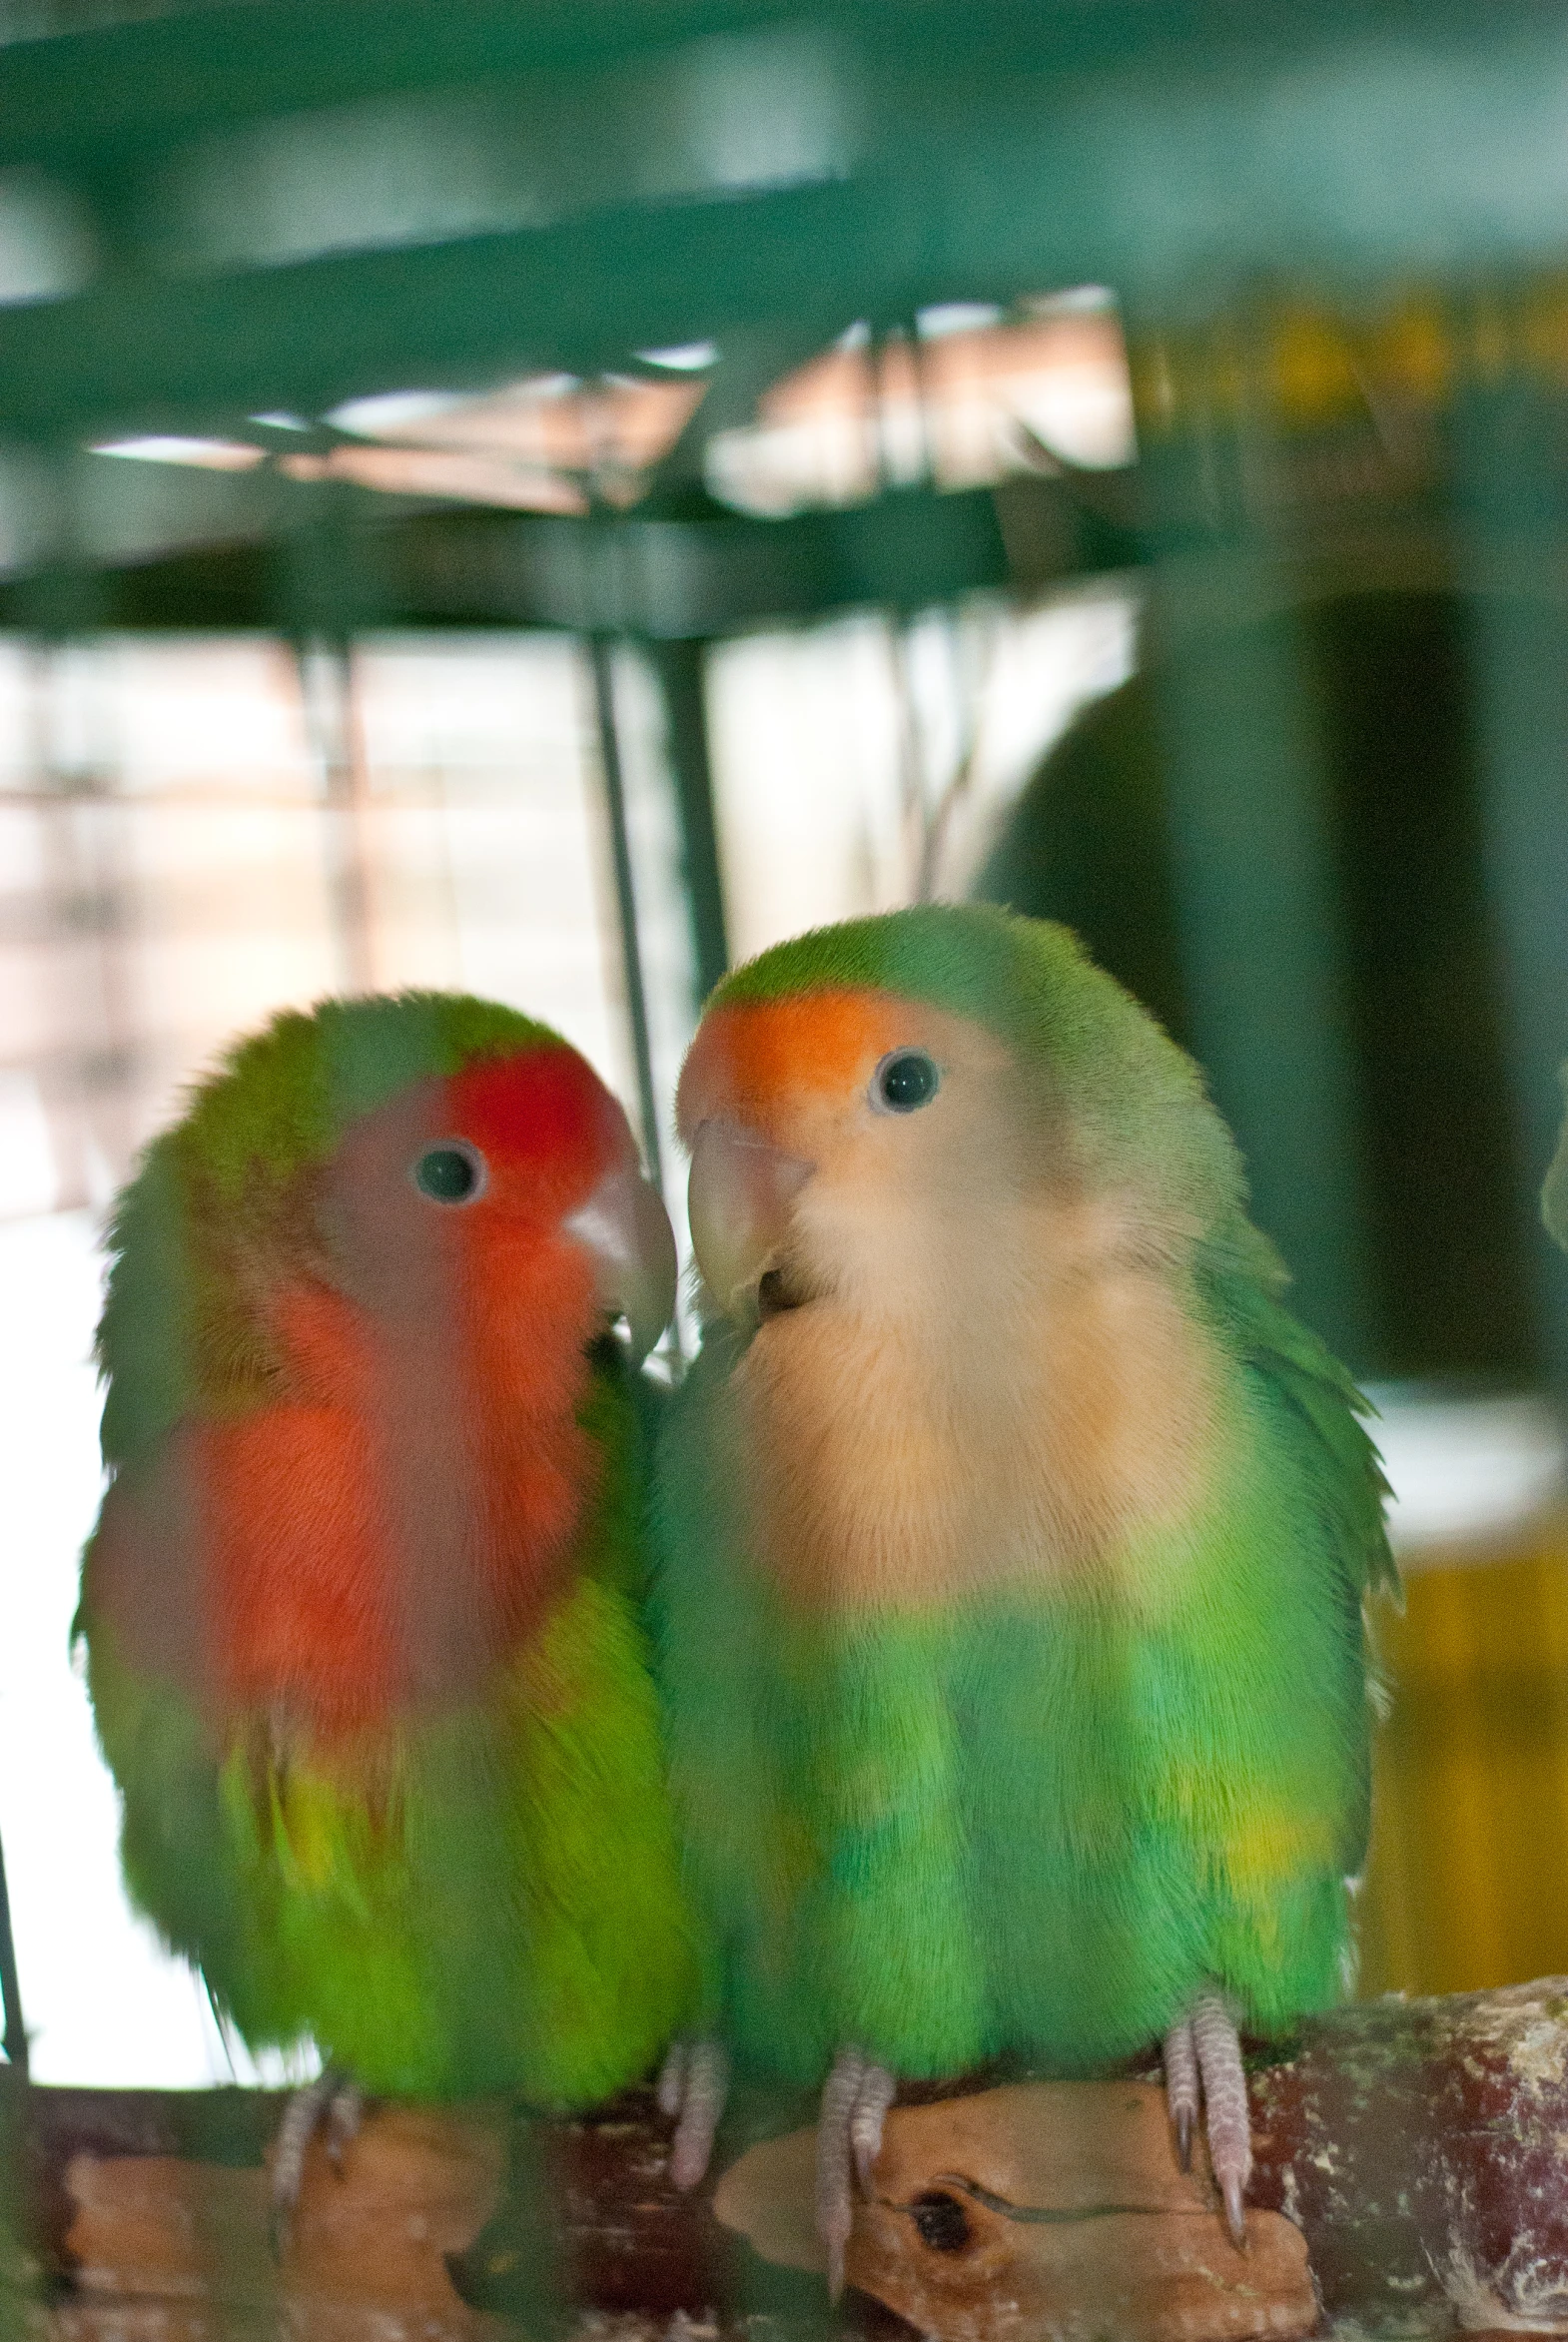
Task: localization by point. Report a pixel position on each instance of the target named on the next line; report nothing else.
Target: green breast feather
(445, 1908)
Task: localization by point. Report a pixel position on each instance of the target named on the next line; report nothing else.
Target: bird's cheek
(741, 1196)
(387, 1253)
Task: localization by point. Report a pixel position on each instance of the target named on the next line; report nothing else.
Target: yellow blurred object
(1312, 370)
(1468, 1881)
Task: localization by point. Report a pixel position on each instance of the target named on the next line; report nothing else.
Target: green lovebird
(1011, 1553)
(362, 1606)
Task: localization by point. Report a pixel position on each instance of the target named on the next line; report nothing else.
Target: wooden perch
(1412, 2176)
(1046, 2209)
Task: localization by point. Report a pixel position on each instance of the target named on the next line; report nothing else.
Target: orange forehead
(759, 1054)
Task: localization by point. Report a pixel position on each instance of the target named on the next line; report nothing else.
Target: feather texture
(1032, 1796)
(362, 1608)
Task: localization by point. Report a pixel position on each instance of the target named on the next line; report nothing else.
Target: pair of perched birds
(967, 1663)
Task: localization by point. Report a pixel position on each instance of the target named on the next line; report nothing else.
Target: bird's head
(449, 1165)
(834, 1136)
(885, 1110)
(513, 1178)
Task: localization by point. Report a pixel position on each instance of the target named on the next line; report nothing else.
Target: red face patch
(404, 1514)
(543, 1116)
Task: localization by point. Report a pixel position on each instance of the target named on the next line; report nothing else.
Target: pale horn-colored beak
(742, 1188)
(626, 1228)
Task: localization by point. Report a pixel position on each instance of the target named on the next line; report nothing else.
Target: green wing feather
(521, 1928)
(1324, 1415)
(1246, 1282)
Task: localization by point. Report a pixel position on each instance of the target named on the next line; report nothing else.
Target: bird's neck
(1024, 1425)
(461, 1479)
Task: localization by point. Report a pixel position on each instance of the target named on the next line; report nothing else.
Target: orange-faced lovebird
(363, 1605)
(1012, 1552)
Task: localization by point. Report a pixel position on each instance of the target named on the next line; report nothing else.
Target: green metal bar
(1263, 954)
(139, 83)
(1002, 172)
(601, 654)
(325, 670)
(154, 351)
(327, 556)
(14, 2040)
(1513, 497)
(680, 668)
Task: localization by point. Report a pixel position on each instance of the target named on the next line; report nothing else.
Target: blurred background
(551, 499)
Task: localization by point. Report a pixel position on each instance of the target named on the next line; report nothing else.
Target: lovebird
(1012, 1547)
(363, 1605)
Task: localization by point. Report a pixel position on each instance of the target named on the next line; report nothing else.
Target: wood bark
(1411, 2180)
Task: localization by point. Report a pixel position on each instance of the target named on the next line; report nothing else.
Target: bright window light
(828, 794)
(690, 359)
(103, 2003)
(957, 317)
(206, 454)
(1465, 1473)
(390, 414)
(177, 858)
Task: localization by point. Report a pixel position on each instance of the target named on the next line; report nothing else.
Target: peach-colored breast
(1035, 1437)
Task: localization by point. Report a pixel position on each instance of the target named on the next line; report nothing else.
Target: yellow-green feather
(483, 1900)
(502, 1912)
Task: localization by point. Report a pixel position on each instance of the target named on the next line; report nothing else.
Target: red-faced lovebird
(363, 1605)
(1013, 1546)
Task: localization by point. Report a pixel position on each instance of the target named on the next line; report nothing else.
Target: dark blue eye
(452, 1173)
(905, 1080)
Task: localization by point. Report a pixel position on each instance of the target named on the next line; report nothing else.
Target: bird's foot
(332, 2102)
(1204, 2056)
(693, 2086)
(854, 2102)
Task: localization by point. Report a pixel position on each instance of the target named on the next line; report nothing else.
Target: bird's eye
(452, 1172)
(905, 1080)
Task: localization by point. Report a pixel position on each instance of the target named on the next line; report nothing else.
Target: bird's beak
(742, 1188)
(626, 1228)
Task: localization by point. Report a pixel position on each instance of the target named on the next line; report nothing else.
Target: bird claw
(855, 2103)
(330, 2099)
(1205, 2050)
(834, 2228)
(345, 2113)
(672, 2086)
(1181, 2089)
(878, 2089)
(692, 2087)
